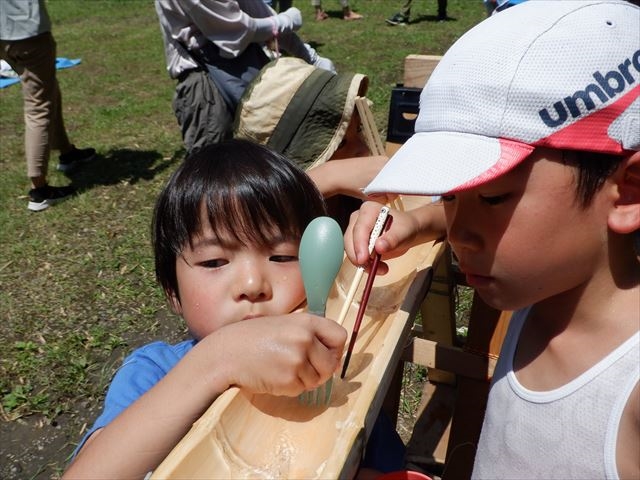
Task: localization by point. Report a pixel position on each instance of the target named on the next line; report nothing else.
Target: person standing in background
(347, 13)
(402, 17)
(495, 6)
(214, 48)
(27, 45)
(279, 5)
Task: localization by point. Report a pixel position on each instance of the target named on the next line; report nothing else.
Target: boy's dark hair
(250, 194)
(593, 169)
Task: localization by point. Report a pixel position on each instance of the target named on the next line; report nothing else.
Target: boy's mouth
(475, 281)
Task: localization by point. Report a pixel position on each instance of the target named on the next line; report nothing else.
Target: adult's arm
(233, 24)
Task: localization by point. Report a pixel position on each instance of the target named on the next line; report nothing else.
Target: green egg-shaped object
(320, 256)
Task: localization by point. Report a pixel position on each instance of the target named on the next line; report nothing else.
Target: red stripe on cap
(592, 132)
(511, 154)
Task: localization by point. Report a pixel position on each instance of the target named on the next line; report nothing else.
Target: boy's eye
(283, 258)
(213, 263)
(494, 199)
(448, 198)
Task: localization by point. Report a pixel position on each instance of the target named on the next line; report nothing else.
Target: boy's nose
(252, 284)
(461, 234)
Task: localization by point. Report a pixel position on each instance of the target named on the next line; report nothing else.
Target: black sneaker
(69, 161)
(43, 197)
(397, 19)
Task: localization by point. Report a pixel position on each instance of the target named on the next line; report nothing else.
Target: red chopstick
(363, 303)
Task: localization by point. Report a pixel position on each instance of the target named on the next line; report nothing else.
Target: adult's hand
(289, 21)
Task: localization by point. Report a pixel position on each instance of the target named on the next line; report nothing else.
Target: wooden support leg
(428, 444)
(487, 328)
(438, 314)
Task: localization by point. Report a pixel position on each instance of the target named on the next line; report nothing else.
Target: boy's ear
(624, 217)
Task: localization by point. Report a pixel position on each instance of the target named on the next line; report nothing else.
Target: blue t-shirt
(140, 371)
(147, 365)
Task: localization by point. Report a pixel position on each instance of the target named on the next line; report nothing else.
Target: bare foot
(352, 16)
(321, 15)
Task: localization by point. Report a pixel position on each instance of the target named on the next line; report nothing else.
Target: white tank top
(566, 433)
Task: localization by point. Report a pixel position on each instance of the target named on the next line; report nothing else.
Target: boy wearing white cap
(529, 129)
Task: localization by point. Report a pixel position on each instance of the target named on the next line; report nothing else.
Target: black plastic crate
(403, 110)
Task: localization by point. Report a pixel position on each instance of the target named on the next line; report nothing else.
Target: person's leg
(490, 6)
(34, 60)
(58, 139)
(320, 13)
(442, 9)
(45, 110)
(201, 111)
(401, 17)
(347, 13)
(405, 9)
(284, 5)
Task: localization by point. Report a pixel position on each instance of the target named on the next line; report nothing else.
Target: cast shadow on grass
(122, 165)
(430, 18)
(316, 45)
(337, 14)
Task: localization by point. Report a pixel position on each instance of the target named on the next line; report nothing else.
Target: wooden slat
(438, 315)
(418, 69)
(486, 331)
(434, 355)
(372, 136)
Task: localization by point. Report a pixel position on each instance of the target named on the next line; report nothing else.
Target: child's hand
(408, 229)
(283, 355)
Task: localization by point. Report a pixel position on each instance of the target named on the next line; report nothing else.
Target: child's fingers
(356, 238)
(330, 339)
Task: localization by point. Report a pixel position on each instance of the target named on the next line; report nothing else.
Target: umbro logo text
(606, 87)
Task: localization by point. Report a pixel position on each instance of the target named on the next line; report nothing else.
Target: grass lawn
(77, 288)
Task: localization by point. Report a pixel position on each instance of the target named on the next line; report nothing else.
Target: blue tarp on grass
(60, 64)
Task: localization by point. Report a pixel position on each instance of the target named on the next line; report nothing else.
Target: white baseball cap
(561, 74)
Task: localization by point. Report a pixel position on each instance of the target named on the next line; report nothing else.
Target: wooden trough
(263, 436)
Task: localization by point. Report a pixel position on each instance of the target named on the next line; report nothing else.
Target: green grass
(77, 288)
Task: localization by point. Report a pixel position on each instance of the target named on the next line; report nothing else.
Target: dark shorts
(202, 114)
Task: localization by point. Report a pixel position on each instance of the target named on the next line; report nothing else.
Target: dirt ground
(33, 448)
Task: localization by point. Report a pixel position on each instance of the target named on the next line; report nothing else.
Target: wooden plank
(486, 332)
(418, 69)
(391, 148)
(434, 355)
(427, 447)
(369, 128)
(438, 315)
(262, 436)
